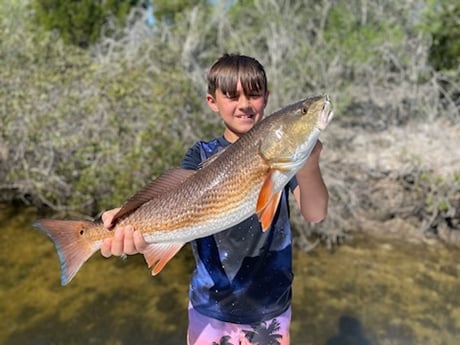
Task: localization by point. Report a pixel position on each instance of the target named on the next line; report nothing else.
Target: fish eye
(304, 110)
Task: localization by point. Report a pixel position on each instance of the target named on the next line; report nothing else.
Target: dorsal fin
(166, 182)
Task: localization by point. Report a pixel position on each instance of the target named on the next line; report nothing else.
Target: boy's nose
(244, 102)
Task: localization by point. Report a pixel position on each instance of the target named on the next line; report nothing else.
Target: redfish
(181, 205)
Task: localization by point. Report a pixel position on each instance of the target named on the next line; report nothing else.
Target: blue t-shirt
(242, 275)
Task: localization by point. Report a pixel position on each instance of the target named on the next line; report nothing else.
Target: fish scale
(244, 179)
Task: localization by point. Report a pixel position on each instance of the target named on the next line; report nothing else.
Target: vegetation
(441, 20)
(82, 129)
(80, 22)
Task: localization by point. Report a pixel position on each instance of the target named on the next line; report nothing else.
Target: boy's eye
(231, 95)
(237, 95)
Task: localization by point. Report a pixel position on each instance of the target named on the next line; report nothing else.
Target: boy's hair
(228, 69)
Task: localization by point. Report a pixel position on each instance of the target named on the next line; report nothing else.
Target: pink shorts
(203, 330)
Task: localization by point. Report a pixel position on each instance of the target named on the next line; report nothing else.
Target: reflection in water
(350, 332)
(369, 292)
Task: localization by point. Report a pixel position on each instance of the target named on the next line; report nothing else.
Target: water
(370, 291)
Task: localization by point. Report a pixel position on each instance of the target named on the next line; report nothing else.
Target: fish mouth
(326, 114)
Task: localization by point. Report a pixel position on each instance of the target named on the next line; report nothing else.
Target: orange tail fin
(72, 246)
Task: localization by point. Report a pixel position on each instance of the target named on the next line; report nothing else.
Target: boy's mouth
(246, 116)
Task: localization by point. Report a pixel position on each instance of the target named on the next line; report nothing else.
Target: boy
(241, 288)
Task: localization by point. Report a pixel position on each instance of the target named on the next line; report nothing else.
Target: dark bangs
(226, 72)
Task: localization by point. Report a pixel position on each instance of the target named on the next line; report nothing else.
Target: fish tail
(72, 246)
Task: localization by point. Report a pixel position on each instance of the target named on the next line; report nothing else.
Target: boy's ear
(212, 103)
(267, 93)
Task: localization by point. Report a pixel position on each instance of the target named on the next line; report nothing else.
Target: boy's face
(240, 112)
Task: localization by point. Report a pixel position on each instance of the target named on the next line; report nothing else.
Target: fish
(245, 178)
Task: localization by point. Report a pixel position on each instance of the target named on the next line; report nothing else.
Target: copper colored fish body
(245, 178)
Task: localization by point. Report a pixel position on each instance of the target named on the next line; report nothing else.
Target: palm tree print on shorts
(261, 334)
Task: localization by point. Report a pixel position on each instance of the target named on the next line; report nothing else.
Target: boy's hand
(125, 240)
(107, 217)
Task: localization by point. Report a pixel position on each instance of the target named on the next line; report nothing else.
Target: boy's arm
(311, 193)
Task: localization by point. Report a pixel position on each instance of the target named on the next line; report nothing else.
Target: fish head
(308, 115)
(294, 130)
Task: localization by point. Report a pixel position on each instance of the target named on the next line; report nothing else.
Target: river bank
(402, 181)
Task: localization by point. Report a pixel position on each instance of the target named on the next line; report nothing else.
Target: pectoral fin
(267, 203)
(267, 214)
(159, 254)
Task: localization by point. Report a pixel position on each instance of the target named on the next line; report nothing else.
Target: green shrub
(79, 22)
(442, 22)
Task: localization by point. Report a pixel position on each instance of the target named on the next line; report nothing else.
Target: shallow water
(369, 291)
